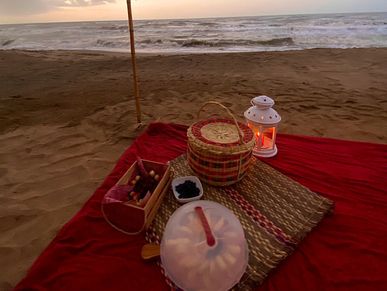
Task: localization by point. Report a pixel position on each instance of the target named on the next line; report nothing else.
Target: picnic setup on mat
(250, 216)
(203, 208)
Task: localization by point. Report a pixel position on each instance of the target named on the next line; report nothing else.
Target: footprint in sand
(227, 104)
(170, 116)
(3, 172)
(189, 116)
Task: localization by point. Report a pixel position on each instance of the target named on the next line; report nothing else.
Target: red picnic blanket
(348, 250)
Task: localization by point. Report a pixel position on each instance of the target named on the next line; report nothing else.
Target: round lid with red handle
(204, 247)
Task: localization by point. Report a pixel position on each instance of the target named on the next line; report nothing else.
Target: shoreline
(66, 117)
(179, 53)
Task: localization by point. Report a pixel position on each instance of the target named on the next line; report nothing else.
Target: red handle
(206, 226)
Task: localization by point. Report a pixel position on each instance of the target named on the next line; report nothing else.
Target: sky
(31, 11)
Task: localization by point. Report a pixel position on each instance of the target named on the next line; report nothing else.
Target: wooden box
(130, 218)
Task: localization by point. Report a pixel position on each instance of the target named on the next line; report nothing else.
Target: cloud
(30, 7)
(78, 3)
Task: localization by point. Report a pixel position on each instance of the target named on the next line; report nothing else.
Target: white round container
(195, 262)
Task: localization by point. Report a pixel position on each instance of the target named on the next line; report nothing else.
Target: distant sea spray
(263, 33)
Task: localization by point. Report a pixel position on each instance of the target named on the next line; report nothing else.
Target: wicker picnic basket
(219, 149)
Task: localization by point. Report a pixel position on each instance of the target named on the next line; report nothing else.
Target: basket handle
(229, 113)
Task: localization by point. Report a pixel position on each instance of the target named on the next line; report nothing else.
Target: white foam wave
(205, 35)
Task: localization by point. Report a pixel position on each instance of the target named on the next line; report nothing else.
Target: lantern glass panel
(257, 129)
(268, 138)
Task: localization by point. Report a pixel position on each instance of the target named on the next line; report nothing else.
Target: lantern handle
(229, 113)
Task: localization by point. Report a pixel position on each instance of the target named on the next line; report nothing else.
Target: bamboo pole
(134, 66)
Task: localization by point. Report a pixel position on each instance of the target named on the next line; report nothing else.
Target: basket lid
(220, 133)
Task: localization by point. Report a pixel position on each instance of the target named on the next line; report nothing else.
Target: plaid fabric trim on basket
(276, 213)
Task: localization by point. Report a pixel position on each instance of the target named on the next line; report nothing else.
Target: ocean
(232, 34)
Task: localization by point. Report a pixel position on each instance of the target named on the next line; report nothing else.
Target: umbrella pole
(134, 66)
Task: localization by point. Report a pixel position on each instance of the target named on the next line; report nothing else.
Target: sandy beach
(66, 116)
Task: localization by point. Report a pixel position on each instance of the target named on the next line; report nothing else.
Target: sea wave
(151, 41)
(111, 43)
(205, 35)
(7, 42)
(285, 41)
(208, 24)
(115, 27)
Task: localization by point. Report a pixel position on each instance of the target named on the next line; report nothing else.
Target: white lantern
(263, 120)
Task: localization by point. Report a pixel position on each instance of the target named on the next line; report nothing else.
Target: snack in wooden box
(132, 203)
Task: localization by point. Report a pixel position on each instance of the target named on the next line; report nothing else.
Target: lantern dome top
(262, 102)
(262, 112)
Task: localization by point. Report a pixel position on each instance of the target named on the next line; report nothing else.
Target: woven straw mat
(276, 213)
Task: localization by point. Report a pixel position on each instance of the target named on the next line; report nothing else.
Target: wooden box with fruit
(132, 203)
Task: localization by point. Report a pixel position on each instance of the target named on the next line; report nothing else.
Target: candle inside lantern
(264, 140)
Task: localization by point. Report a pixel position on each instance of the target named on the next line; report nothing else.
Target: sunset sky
(26, 11)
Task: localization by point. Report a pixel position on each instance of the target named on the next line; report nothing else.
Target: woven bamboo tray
(276, 213)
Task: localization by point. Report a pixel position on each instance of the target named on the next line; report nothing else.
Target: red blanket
(348, 250)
